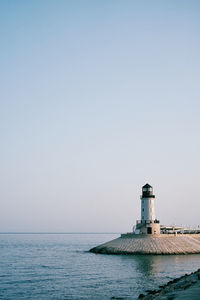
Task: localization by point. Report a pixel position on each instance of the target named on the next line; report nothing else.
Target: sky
(98, 98)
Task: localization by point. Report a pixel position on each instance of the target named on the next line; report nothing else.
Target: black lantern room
(147, 191)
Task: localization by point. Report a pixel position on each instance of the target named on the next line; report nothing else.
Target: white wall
(147, 209)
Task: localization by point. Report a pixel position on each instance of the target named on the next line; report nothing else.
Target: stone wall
(151, 244)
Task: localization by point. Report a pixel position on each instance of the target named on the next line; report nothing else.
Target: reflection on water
(150, 265)
(154, 270)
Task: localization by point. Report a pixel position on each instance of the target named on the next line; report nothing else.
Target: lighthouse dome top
(147, 191)
(147, 186)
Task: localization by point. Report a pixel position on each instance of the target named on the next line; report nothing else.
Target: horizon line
(56, 232)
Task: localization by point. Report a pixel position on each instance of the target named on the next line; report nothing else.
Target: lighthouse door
(149, 230)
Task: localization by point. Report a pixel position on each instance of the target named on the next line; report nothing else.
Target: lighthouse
(147, 204)
(148, 223)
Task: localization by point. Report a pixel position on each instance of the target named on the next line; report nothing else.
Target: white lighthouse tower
(148, 223)
(147, 204)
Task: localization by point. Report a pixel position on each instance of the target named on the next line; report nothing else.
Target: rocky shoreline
(182, 288)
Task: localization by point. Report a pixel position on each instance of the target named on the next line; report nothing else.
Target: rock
(170, 290)
(171, 297)
(186, 286)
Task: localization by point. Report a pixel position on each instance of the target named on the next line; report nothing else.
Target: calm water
(59, 266)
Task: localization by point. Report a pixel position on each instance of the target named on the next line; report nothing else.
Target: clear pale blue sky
(98, 98)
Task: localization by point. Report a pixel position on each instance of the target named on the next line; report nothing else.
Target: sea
(60, 266)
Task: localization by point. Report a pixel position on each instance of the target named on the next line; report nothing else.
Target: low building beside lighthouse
(148, 223)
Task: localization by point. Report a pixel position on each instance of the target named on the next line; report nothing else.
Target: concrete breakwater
(151, 244)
